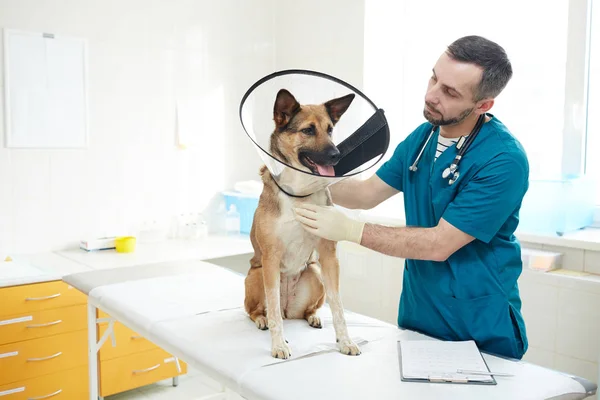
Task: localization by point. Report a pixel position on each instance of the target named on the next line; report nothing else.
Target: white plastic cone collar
(312, 130)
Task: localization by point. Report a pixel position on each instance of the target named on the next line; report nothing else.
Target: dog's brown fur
(292, 270)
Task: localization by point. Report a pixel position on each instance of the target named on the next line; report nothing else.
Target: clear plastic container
(232, 221)
(245, 204)
(557, 206)
(201, 230)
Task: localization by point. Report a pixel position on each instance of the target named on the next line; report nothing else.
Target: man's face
(449, 98)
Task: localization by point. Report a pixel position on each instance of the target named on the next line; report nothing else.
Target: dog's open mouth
(325, 170)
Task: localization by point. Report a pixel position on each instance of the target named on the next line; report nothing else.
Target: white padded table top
(375, 374)
(194, 310)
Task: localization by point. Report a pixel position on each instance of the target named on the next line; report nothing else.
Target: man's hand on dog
(329, 223)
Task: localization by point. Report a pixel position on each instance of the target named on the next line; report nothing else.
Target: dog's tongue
(325, 170)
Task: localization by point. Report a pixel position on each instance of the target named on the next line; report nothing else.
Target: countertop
(51, 266)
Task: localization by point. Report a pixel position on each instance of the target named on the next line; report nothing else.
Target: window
(592, 145)
(544, 105)
(403, 42)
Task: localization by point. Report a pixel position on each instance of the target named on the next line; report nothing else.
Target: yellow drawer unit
(37, 357)
(26, 299)
(69, 384)
(44, 348)
(128, 342)
(37, 324)
(139, 369)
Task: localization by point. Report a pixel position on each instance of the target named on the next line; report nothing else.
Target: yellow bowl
(125, 244)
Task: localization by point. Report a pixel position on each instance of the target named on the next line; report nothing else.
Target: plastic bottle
(201, 226)
(232, 221)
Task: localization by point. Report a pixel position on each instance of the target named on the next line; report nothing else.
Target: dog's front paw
(348, 347)
(261, 323)
(314, 321)
(280, 350)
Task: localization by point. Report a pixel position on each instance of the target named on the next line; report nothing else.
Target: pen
(467, 372)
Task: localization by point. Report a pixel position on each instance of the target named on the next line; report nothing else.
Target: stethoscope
(462, 146)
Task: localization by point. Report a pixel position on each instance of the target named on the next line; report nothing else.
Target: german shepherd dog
(292, 270)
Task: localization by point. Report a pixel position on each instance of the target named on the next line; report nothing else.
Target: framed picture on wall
(45, 91)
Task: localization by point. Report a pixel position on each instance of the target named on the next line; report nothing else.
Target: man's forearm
(346, 194)
(405, 242)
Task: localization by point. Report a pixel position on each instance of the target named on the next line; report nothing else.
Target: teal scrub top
(473, 295)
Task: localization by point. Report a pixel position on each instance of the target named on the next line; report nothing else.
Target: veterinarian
(462, 258)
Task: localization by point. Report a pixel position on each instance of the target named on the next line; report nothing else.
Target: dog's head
(302, 135)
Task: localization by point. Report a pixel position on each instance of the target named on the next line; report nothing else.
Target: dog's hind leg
(259, 316)
(254, 301)
(331, 277)
(317, 298)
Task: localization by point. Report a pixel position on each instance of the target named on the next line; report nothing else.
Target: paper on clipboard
(439, 361)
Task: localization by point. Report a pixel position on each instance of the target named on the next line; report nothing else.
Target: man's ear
(336, 107)
(285, 108)
(485, 105)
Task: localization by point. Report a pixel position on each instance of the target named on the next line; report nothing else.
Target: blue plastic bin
(557, 206)
(246, 205)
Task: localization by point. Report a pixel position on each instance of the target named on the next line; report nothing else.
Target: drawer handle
(45, 358)
(134, 337)
(52, 296)
(46, 396)
(141, 371)
(46, 324)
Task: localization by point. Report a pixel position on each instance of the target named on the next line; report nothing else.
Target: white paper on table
(231, 344)
(148, 301)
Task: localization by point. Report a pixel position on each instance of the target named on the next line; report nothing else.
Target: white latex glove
(329, 223)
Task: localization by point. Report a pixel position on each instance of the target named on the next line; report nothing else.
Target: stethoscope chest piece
(451, 170)
(454, 178)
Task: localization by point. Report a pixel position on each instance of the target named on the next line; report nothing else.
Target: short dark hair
(488, 55)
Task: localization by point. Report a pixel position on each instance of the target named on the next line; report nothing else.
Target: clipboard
(433, 361)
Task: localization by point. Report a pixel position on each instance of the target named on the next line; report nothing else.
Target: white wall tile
(580, 282)
(539, 356)
(574, 366)
(5, 181)
(540, 277)
(391, 287)
(540, 305)
(6, 201)
(360, 280)
(573, 259)
(592, 262)
(292, 48)
(578, 329)
(6, 188)
(535, 246)
(70, 200)
(31, 201)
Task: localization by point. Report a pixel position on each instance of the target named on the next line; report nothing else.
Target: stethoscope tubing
(453, 168)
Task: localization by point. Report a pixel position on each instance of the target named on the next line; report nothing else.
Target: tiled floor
(194, 385)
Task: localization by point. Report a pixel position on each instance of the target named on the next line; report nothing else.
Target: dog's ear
(285, 108)
(336, 107)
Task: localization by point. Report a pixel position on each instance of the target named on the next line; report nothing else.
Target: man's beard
(450, 121)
